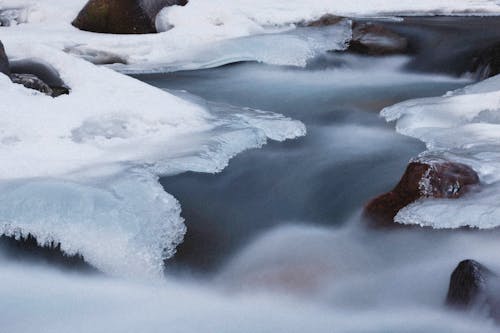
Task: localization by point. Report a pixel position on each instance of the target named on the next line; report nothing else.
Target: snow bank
(462, 126)
(195, 27)
(81, 169)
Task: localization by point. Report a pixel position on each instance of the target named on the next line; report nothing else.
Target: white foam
(382, 298)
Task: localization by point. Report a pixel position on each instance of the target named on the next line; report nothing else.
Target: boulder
(376, 40)
(122, 16)
(437, 179)
(467, 284)
(473, 287)
(42, 71)
(486, 62)
(4, 61)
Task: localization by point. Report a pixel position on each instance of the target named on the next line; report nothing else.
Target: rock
(474, 287)
(376, 40)
(122, 16)
(43, 71)
(4, 61)
(486, 62)
(467, 283)
(325, 20)
(441, 179)
(31, 81)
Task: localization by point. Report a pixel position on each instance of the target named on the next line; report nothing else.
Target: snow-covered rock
(462, 127)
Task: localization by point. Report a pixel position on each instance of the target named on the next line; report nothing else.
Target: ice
(461, 126)
(81, 169)
(296, 47)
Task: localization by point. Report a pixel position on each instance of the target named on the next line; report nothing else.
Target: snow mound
(81, 169)
(462, 126)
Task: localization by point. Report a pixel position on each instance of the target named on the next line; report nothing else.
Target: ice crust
(462, 126)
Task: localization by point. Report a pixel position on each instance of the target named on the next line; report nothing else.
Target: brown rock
(421, 179)
(373, 39)
(122, 16)
(486, 62)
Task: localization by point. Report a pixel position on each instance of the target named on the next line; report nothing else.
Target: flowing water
(348, 156)
(275, 242)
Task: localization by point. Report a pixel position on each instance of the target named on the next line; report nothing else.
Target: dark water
(348, 156)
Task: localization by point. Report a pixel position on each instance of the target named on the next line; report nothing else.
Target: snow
(199, 24)
(462, 126)
(81, 169)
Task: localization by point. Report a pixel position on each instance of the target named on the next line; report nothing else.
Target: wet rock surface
(487, 62)
(473, 287)
(434, 45)
(375, 40)
(441, 179)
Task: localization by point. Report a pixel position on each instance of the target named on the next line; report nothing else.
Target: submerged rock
(31, 81)
(486, 62)
(122, 16)
(473, 287)
(467, 283)
(4, 61)
(441, 179)
(30, 71)
(376, 40)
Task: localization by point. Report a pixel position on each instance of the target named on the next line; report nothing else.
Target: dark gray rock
(4, 61)
(31, 81)
(43, 71)
(467, 284)
(473, 287)
(486, 62)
